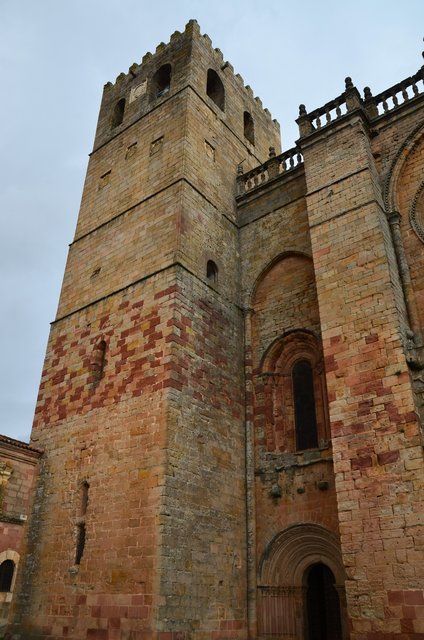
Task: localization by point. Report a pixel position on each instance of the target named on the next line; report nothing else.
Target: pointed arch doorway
(301, 592)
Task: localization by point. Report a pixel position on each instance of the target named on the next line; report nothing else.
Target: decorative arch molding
(290, 552)
(401, 157)
(295, 343)
(9, 554)
(270, 265)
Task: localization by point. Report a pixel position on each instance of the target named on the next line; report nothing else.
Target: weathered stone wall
(174, 500)
(375, 433)
(202, 578)
(288, 487)
(109, 432)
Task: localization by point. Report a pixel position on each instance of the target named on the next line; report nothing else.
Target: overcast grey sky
(56, 55)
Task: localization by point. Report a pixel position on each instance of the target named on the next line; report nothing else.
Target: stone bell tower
(139, 526)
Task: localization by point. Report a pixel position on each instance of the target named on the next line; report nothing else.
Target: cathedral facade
(231, 406)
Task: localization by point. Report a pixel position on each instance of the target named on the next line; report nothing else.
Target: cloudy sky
(56, 55)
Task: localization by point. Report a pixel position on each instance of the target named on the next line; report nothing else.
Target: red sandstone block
(175, 384)
(166, 292)
(109, 611)
(139, 599)
(409, 611)
(413, 597)
(114, 623)
(395, 597)
(363, 462)
(372, 337)
(407, 626)
(141, 613)
(387, 457)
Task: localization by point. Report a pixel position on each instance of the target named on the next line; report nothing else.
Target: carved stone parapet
(352, 95)
(369, 104)
(399, 94)
(273, 167)
(303, 122)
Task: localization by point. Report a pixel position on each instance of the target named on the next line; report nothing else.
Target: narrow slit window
(80, 543)
(161, 82)
(7, 569)
(211, 271)
(304, 406)
(249, 127)
(118, 113)
(215, 89)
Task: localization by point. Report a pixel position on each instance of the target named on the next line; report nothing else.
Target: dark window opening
(7, 569)
(215, 89)
(249, 127)
(99, 361)
(304, 406)
(161, 82)
(118, 113)
(322, 605)
(211, 271)
(84, 497)
(80, 543)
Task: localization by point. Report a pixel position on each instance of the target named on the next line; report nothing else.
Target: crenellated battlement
(191, 30)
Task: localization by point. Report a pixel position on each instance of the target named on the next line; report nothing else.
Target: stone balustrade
(325, 114)
(350, 99)
(331, 111)
(394, 96)
(275, 166)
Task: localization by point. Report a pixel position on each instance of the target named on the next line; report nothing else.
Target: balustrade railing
(275, 166)
(327, 113)
(349, 100)
(394, 96)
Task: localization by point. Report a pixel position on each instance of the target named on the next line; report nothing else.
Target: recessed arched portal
(296, 564)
